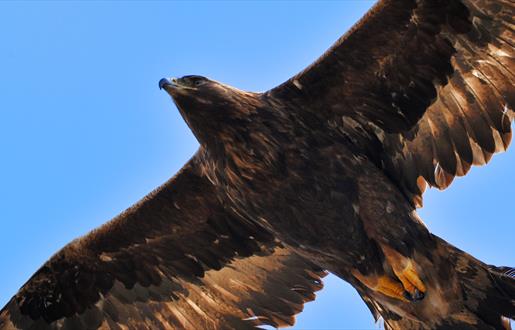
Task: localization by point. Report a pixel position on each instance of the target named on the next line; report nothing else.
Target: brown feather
(439, 73)
(169, 261)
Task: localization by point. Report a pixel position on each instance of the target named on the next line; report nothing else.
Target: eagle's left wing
(176, 259)
(266, 289)
(425, 88)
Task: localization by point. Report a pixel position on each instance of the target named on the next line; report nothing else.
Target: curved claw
(415, 296)
(385, 285)
(405, 270)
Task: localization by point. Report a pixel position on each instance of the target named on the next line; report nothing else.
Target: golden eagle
(322, 173)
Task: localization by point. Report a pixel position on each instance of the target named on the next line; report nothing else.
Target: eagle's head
(213, 111)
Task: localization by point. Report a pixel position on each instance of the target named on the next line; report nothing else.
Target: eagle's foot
(385, 285)
(411, 281)
(404, 269)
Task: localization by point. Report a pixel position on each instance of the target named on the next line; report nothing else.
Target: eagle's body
(301, 180)
(322, 173)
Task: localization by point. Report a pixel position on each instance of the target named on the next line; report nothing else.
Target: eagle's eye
(195, 81)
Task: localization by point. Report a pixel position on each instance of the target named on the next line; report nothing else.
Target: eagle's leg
(406, 285)
(404, 268)
(383, 284)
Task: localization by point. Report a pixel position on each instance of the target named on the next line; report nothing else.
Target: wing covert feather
(176, 259)
(431, 82)
(470, 119)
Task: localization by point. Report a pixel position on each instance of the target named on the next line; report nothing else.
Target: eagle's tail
(463, 293)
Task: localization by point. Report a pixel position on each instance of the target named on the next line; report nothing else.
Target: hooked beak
(167, 82)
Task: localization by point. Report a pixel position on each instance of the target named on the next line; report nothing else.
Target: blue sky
(85, 132)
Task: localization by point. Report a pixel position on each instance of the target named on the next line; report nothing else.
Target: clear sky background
(85, 131)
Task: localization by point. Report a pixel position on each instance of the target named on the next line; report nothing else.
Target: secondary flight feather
(320, 174)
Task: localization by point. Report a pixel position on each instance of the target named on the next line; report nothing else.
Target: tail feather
(503, 279)
(507, 271)
(495, 298)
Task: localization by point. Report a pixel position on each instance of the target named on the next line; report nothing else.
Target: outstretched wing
(176, 259)
(424, 87)
(471, 117)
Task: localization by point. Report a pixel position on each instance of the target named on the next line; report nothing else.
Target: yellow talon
(404, 269)
(382, 284)
(391, 288)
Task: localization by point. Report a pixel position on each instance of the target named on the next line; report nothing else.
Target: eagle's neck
(248, 150)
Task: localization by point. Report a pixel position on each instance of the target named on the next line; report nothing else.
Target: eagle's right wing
(423, 88)
(471, 117)
(176, 259)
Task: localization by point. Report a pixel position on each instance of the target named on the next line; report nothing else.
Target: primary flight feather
(322, 173)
